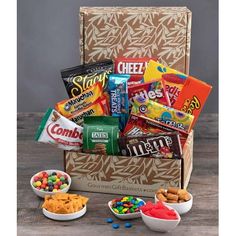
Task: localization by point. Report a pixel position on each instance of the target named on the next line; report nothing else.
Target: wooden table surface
(33, 157)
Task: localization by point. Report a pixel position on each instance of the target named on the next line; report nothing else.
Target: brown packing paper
(158, 32)
(128, 175)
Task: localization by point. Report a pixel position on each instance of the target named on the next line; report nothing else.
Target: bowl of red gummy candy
(49, 182)
(159, 217)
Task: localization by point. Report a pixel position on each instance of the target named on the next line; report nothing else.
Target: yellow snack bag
(68, 107)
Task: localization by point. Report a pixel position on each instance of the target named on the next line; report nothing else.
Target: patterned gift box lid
(159, 32)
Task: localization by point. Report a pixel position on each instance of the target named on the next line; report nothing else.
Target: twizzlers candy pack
(56, 129)
(154, 91)
(78, 79)
(133, 66)
(141, 125)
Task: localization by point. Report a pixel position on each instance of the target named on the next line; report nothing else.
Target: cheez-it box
(135, 32)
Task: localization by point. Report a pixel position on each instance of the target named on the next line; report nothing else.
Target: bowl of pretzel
(179, 199)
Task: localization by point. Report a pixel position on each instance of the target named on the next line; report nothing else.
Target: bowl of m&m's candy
(126, 207)
(49, 182)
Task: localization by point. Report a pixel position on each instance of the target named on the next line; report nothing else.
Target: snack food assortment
(173, 195)
(64, 203)
(129, 106)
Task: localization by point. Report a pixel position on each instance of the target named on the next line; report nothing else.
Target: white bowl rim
(164, 220)
(128, 214)
(176, 203)
(69, 214)
(31, 180)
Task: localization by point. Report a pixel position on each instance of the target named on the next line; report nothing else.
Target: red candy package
(154, 91)
(133, 66)
(138, 125)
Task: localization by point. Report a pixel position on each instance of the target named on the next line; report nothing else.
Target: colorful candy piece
(115, 226)
(109, 220)
(128, 225)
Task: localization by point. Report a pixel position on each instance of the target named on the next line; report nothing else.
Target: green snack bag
(100, 135)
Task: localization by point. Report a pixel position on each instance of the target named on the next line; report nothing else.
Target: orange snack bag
(68, 107)
(98, 108)
(193, 97)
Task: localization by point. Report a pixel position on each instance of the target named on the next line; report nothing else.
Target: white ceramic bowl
(160, 225)
(182, 207)
(41, 193)
(128, 215)
(64, 217)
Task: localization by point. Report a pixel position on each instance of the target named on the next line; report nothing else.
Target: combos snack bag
(98, 108)
(179, 120)
(70, 106)
(154, 91)
(133, 66)
(78, 79)
(101, 135)
(56, 129)
(165, 145)
(174, 80)
(193, 97)
(119, 102)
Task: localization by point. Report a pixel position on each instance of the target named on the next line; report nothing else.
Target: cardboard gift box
(158, 32)
(140, 176)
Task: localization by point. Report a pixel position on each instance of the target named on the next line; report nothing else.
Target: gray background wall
(48, 41)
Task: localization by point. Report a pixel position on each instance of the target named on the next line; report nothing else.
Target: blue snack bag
(119, 101)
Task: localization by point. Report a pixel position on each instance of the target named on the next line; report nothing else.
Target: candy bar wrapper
(154, 91)
(165, 145)
(179, 120)
(69, 107)
(119, 102)
(193, 97)
(58, 130)
(78, 79)
(174, 80)
(98, 108)
(140, 125)
(135, 67)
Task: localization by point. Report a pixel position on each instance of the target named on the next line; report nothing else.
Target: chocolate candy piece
(78, 79)
(159, 145)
